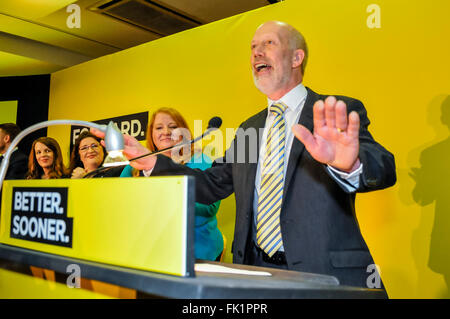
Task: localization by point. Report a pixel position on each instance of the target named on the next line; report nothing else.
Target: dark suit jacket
(17, 169)
(318, 222)
(18, 165)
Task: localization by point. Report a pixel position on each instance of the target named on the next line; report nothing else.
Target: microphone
(213, 124)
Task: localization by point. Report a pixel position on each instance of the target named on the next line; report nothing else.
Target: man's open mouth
(260, 67)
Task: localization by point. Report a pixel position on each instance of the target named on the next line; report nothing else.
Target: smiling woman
(45, 160)
(161, 134)
(87, 155)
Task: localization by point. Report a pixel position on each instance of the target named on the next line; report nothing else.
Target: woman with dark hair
(45, 160)
(87, 155)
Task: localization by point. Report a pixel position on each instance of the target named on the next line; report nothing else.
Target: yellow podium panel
(142, 223)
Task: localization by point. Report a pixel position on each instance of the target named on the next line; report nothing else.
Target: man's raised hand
(335, 139)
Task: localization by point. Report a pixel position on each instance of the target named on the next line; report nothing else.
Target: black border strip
(190, 225)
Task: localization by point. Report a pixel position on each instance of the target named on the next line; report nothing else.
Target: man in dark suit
(295, 204)
(18, 163)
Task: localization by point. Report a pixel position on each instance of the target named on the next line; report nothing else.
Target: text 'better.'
(40, 214)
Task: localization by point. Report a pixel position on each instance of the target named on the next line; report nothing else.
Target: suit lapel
(249, 180)
(306, 119)
(258, 124)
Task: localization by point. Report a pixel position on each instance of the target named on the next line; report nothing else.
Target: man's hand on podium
(132, 149)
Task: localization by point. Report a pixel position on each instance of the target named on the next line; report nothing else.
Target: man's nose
(257, 51)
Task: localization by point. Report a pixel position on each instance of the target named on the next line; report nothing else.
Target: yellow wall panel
(8, 111)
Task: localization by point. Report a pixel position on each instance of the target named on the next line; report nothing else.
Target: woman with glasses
(45, 160)
(87, 155)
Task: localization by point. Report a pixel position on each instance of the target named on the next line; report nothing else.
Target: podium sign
(141, 223)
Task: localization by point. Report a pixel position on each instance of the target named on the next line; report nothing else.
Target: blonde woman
(208, 238)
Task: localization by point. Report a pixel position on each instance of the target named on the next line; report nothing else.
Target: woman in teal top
(208, 238)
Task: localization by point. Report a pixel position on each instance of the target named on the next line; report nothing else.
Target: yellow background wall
(400, 71)
(8, 112)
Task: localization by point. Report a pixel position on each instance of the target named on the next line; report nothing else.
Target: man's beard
(272, 85)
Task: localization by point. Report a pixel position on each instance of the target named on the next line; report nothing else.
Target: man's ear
(297, 58)
(7, 138)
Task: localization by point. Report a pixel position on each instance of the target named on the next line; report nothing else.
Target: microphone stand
(179, 145)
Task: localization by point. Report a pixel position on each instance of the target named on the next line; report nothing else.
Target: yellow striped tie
(268, 231)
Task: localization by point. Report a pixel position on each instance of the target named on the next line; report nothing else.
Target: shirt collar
(15, 149)
(291, 99)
